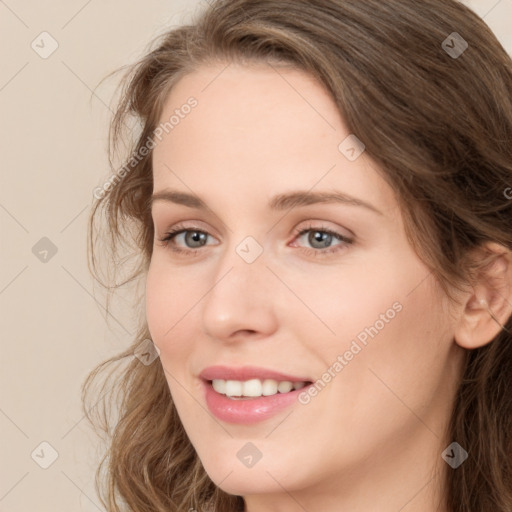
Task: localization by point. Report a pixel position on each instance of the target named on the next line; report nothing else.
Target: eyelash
(170, 235)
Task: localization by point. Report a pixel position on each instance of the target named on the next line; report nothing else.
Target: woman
(317, 197)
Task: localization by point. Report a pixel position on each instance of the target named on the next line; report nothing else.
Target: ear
(489, 305)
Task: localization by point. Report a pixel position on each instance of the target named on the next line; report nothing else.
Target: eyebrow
(279, 202)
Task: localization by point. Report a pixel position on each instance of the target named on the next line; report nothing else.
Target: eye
(321, 240)
(194, 239)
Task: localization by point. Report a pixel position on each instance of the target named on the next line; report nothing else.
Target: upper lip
(244, 373)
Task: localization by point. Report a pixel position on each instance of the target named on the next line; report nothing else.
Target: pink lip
(252, 410)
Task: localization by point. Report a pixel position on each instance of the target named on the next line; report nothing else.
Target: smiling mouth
(255, 388)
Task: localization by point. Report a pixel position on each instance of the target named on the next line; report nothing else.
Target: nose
(241, 301)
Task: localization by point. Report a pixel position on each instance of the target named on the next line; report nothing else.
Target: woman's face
(347, 305)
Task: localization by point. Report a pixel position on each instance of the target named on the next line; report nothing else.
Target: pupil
(319, 236)
(195, 236)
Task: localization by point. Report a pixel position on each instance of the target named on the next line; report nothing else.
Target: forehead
(254, 82)
(258, 101)
(257, 128)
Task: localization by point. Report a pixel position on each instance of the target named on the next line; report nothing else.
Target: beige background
(53, 133)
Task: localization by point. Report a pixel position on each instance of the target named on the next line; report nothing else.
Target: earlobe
(489, 304)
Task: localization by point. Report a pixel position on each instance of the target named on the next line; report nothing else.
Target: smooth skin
(373, 437)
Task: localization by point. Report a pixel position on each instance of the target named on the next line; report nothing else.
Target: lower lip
(248, 411)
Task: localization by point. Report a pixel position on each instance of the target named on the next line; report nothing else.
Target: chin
(245, 483)
(264, 477)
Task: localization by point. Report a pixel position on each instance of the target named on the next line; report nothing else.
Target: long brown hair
(438, 123)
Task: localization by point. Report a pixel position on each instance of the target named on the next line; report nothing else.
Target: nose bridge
(240, 297)
(243, 263)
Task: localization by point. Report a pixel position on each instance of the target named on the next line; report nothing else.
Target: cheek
(390, 328)
(167, 302)
(331, 307)
(395, 377)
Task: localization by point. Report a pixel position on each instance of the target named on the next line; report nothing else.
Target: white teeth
(219, 386)
(254, 387)
(269, 387)
(284, 387)
(233, 388)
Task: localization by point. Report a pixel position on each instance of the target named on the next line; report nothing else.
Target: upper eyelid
(179, 226)
(197, 226)
(178, 229)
